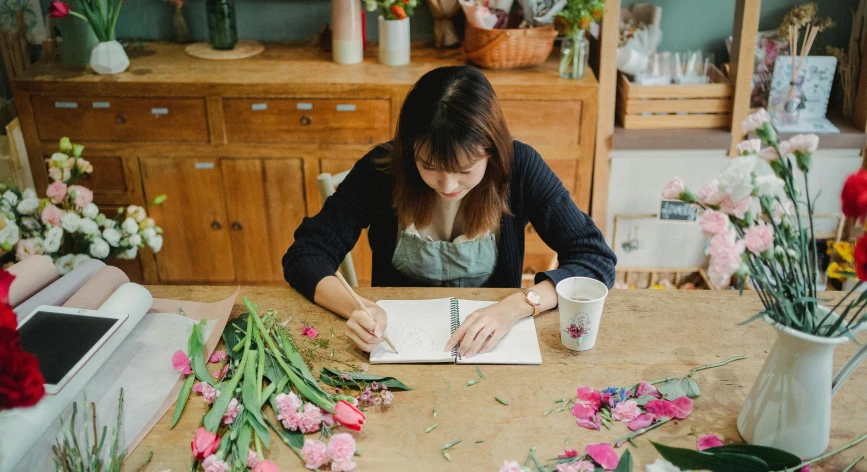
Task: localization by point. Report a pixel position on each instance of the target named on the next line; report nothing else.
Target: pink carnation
(181, 362)
(603, 454)
(313, 454)
(707, 442)
(309, 331)
(341, 447)
(56, 192)
(214, 464)
(209, 393)
(288, 401)
(327, 418)
(252, 459)
(311, 419)
(218, 356)
(83, 195)
(642, 421)
(673, 189)
(739, 209)
(291, 419)
(710, 194)
(51, 215)
(343, 466)
(231, 412)
(714, 222)
(759, 238)
(626, 411)
(587, 403)
(568, 453)
(804, 143)
(755, 120)
(725, 257)
(510, 467)
(645, 388)
(266, 466)
(749, 146)
(580, 466)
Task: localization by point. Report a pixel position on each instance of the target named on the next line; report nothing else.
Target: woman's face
(454, 186)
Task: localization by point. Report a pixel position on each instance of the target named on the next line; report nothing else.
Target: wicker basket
(508, 48)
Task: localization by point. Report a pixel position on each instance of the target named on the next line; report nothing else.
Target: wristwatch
(533, 299)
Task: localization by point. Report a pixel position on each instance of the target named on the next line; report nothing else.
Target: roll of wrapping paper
(98, 289)
(62, 290)
(21, 427)
(31, 275)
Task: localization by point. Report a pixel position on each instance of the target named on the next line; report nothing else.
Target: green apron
(443, 263)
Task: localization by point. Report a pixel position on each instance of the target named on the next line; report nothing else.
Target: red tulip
(266, 466)
(58, 9)
(854, 196)
(348, 415)
(204, 444)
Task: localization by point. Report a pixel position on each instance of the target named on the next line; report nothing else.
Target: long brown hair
(452, 114)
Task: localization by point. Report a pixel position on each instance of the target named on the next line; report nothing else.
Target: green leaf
(332, 377)
(195, 348)
(183, 396)
(250, 393)
(625, 464)
(694, 460)
(504, 402)
(692, 389)
(245, 434)
(260, 428)
(643, 400)
(273, 371)
(775, 458)
(233, 334)
(472, 382)
(296, 439)
(673, 389)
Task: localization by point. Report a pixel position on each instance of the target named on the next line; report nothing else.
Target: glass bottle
(573, 55)
(791, 102)
(221, 24)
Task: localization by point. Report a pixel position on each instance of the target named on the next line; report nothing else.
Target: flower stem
(718, 364)
(834, 452)
(854, 463)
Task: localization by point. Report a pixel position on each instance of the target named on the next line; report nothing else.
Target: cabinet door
(265, 204)
(196, 244)
(361, 255)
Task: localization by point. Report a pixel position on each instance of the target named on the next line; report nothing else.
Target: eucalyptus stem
(829, 454)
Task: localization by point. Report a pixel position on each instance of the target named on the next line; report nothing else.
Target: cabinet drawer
(542, 123)
(120, 119)
(306, 121)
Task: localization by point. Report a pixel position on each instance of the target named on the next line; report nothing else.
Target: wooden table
(645, 334)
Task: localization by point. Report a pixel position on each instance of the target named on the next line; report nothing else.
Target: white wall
(637, 179)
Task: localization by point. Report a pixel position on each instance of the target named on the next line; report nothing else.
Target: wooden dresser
(237, 145)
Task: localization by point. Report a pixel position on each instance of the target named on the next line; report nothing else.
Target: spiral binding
(455, 323)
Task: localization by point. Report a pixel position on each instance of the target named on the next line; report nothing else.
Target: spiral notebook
(420, 329)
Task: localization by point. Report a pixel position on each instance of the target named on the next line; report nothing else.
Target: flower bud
(793, 254)
(77, 149)
(804, 160)
(65, 145)
(768, 134)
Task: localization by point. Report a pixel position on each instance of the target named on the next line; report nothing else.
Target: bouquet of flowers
(102, 18)
(572, 22)
(66, 225)
(760, 226)
(391, 9)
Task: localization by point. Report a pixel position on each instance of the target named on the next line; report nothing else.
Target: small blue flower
(610, 390)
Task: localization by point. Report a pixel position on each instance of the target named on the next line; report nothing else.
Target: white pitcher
(789, 406)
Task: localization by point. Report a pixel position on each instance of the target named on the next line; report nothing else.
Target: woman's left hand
(483, 329)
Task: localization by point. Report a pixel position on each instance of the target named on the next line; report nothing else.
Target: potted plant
(758, 216)
(393, 29)
(572, 23)
(108, 56)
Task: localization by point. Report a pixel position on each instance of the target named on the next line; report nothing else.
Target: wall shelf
(684, 138)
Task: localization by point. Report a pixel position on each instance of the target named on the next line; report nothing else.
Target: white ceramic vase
(394, 41)
(109, 58)
(789, 406)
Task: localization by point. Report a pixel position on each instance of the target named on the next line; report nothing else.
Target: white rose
(28, 206)
(53, 237)
(10, 198)
(99, 248)
(135, 240)
(70, 221)
(64, 264)
(130, 226)
(9, 235)
(111, 236)
(91, 211)
(129, 253)
(737, 180)
(148, 233)
(770, 186)
(88, 227)
(29, 193)
(79, 259)
(156, 243)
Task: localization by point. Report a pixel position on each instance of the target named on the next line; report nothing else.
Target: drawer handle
(120, 119)
(306, 120)
(304, 106)
(237, 226)
(159, 111)
(204, 165)
(65, 104)
(346, 107)
(100, 104)
(216, 226)
(259, 106)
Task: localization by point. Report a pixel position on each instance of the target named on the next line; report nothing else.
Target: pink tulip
(204, 444)
(266, 466)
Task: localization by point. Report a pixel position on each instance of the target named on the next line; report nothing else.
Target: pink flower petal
(587, 403)
(644, 420)
(604, 455)
(590, 423)
(199, 387)
(181, 362)
(682, 407)
(218, 356)
(645, 388)
(219, 374)
(660, 408)
(707, 442)
(568, 453)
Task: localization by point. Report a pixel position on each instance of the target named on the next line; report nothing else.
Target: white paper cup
(581, 302)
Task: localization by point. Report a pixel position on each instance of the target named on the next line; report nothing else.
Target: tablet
(64, 339)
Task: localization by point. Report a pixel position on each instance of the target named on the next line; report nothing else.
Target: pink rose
(313, 454)
(759, 238)
(673, 189)
(56, 191)
(710, 194)
(83, 195)
(51, 215)
(214, 464)
(587, 403)
(707, 442)
(341, 447)
(603, 454)
(714, 222)
(181, 362)
(231, 412)
(311, 419)
(266, 466)
(642, 421)
(626, 411)
(510, 467)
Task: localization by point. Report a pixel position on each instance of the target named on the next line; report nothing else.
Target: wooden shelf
(698, 138)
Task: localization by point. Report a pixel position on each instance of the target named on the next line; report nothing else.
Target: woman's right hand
(366, 333)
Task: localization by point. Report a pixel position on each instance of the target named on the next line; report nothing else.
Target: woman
(446, 203)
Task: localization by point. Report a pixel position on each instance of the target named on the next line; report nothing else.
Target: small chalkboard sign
(676, 210)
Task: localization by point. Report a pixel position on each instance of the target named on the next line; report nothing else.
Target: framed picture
(816, 79)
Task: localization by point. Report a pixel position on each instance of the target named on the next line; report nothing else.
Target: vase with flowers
(572, 23)
(758, 216)
(393, 29)
(108, 56)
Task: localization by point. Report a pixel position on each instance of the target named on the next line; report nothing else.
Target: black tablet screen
(60, 340)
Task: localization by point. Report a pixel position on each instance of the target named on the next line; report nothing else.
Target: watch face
(534, 298)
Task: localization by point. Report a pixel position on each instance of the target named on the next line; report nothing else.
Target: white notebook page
(520, 346)
(419, 330)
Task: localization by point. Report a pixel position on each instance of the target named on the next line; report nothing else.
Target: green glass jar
(221, 24)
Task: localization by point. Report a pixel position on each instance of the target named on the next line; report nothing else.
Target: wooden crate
(675, 106)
